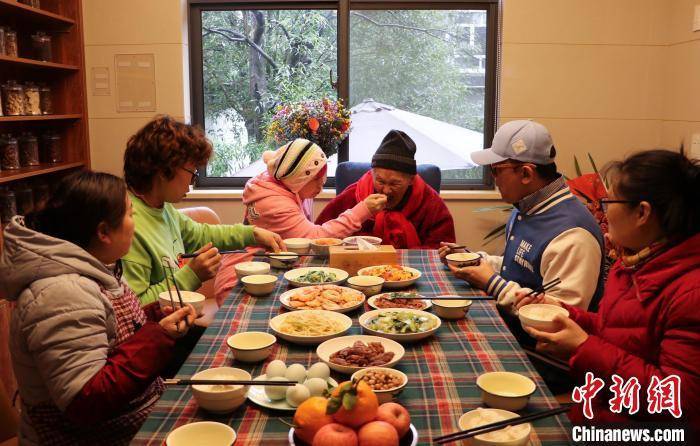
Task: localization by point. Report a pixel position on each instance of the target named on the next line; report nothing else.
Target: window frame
(343, 8)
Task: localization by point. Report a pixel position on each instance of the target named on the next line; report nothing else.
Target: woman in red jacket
(648, 325)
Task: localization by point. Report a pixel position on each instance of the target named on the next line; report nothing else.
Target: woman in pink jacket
(648, 324)
(279, 200)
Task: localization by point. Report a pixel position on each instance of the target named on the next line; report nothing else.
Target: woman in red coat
(648, 325)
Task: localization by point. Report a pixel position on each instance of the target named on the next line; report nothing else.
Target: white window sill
(327, 194)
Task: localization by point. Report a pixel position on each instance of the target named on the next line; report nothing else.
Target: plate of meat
(399, 299)
(348, 354)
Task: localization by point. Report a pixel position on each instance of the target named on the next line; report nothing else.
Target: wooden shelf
(22, 62)
(26, 172)
(34, 15)
(39, 118)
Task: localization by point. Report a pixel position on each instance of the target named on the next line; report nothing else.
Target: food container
(384, 395)
(463, 259)
(505, 390)
(210, 433)
(2, 40)
(32, 3)
(45, 100)
(249, 268)
(9, 153)
(369, 285)
(8, 205)
(51, 148)
(451, 309)
(220, 398)
(518, 435)
(32, 102)
(25, 199)
(41, 46)
(188, 297)
(251, 346)
(284, 260)
(28, 150)
(541, 316)
(298, 245)
(10, 42)
(259, 284)
(321, 246)
(13, 99)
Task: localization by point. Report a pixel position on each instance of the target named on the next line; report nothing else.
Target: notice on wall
(99, 79)
(136, 82)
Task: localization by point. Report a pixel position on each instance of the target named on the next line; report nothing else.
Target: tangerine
(311, 416)
(358, 403)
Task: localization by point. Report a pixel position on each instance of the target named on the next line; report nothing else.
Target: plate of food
(323, 297)
(395, 276)
(315, 275)
(310, 327)
(400, 324)
(398, 299)
(348, 354)
(312, 382)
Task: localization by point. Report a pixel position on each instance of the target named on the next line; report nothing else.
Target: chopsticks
(418, 296)
(167, 263)
(544, 287)
(452, 248)
(256, 254)
(228, 382)
(486, 428)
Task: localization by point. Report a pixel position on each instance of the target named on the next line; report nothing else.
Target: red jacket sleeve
(585, 319)
(440, 226)
(130, 369)
(341, 203)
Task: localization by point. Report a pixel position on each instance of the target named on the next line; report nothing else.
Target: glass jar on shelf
(51, 148)
(32, 101)
(28, 150)
(8, 205)
(41, 45)
(9, 153)
(10, 42)
(42, 194)
(46, 100)
(13, 99)
(25, 199)
(2, 40)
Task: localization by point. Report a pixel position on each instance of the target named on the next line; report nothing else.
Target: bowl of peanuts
(386, 383)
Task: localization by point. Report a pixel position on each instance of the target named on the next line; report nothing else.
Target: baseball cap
(521, 140)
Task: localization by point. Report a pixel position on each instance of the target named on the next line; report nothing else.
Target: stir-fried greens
(317, 276)
(401, 322)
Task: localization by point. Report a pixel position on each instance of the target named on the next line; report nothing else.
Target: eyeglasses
(496, 167)
(195, 175)
(603, 203)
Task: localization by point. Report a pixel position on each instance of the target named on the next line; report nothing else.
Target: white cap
(521, 140)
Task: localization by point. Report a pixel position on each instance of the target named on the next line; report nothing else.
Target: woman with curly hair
(160, 164)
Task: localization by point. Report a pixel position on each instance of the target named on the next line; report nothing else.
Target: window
(426, 68)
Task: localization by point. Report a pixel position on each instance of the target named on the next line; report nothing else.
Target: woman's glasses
(195, 174)
(603, 203)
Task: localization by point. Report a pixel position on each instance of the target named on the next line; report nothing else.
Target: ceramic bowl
(384, 396)
(220, 399)
(251, 346)
(210, 433)
(369, 285)
(250, 268)
(321, 246)
(298, 245)
(451, 309)
(259, 284)
(540, 316)
(505, 390)
(284, 260)
(188, 297)
(518, 435)
(463, 259)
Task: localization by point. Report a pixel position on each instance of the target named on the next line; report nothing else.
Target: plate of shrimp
(323, 297)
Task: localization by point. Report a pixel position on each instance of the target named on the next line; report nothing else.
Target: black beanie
(396, 152)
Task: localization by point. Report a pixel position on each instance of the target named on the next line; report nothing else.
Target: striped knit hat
(396, 152)
(295, 163)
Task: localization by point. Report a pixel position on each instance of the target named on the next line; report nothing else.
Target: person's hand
(478, 276)
(562, 343)
(376, 203)
(541, 298)
(269, 239)
(448, 248)
(207, 262)
(174, 323)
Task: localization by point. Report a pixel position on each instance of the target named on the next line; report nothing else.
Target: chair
(349, 172)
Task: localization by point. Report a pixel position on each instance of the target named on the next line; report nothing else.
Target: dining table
(442, 370)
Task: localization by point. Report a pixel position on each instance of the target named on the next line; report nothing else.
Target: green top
(169, 232)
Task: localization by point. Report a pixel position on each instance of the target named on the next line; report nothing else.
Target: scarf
(394, 226)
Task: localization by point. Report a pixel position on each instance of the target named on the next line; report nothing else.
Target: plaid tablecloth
(441, 371)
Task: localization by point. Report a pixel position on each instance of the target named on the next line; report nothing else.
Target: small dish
(284, 260)
(463, 259)
(298, 245)
(217, 398)
(369, 285)
(210, 433)
(451, 309)
(259, 284)
(250, 268)
(505, 390)
(540, 316)
(251, 346)
(188, 297)
(327, 348)
(321, 246)
(518, 435)
(384, 396)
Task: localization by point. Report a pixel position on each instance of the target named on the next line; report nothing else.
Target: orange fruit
(310, 417)
(363, 407)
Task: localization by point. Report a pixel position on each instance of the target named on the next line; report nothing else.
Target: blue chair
(349, 172)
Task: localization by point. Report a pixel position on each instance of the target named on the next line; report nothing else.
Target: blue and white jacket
(550, 234)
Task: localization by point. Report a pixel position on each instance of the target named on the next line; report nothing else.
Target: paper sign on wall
(99, 79)
(136, 82)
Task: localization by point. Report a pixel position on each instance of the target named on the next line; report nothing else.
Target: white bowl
(251, 346)
(220, 401)
(410, 439)
(505, 390)
(342, 320)
(284, 259)
(210, 433)
(249, 268)
(370, 285)
(188, 297)
(372, 301)
(259, 284)
(293, 275)
(327, 348)
(323, 250)
(352, 241)
(451, 309)
(463, 259)
(540, 316)
(400, 337)
(298, 245)
(395, 284)
(384, 396)
(521, 439)
(287, 295)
